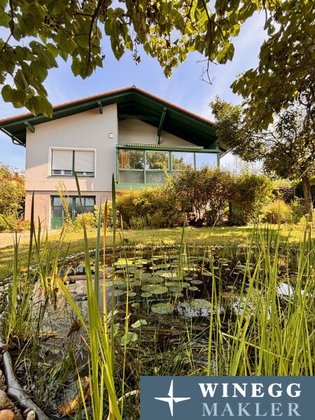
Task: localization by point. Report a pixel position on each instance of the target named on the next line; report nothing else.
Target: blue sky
(184, 87)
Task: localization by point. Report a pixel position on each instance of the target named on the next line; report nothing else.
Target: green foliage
(249, 194)
(87, 219)
(152, 207)
(36, 34)
(201, 196)
(297, 210)
(286, 148)
(286, 62)
(11, 223)
(203, 192)
(12, 192)
(278, 212)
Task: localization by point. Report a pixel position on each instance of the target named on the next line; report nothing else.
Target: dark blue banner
(194, 397)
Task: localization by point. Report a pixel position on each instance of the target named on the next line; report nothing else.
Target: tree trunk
(308, 201)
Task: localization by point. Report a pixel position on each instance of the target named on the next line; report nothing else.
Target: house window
(67, 162)
(71, 206)
(182, 160)
(206, 160)
(131, 166)
(139, 166)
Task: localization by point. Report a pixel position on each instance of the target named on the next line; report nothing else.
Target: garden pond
(170, 312)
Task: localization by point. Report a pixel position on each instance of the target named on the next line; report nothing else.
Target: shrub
(203, 194)
(11, 223)
(87, 218)
(249, 194)
(12, 192)
(298, 210)
(151, 207)
(278, 212)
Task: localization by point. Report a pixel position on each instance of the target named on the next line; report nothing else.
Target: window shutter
(84, 161)
(62, 160)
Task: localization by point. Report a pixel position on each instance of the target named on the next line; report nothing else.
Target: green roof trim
(132, 103)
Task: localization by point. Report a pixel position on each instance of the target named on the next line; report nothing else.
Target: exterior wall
(88, 130)
(136, 131)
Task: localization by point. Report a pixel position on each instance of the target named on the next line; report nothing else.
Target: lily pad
(162, 308)
(156, 279)
(154, 289)
(170, 275)
(146, 294)
(200, 304)
(118, 293)
(177, 295)
(176, 289)
(193, 288)
(196, 282)
(139, 323)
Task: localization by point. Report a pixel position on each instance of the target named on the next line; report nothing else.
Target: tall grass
(262, 332)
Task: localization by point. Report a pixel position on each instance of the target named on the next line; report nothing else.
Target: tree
(286, 68)
(39, 32)
(12, 192)
(287, 147)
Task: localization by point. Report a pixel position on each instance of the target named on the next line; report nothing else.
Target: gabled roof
(131, 102)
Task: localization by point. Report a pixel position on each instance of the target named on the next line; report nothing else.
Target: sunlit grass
(205, 236)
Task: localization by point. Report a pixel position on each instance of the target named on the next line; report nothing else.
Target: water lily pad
(146, 294)
(177, 295)
(139, 323)
(156, 279)
(123, 263)
(154, 289)
(176, 289)
(145, 276)
(118, 293)
(119, 283)
(162, 308)
(132, 294)
(193, 288)
(196, 282)
(170, 275)
(157, 267)
(200, 304)
(141, 261)
(135, 304)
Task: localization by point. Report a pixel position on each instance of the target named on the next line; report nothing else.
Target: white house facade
(130, 133)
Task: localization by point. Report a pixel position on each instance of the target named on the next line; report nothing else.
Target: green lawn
(73, 242)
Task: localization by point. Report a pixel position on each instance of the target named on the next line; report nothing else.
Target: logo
(171, 399)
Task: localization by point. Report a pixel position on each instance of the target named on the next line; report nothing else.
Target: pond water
(172, 296)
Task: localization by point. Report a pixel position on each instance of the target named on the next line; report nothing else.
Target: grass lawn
(73, 242)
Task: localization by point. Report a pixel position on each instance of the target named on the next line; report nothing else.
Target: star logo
(171, 399)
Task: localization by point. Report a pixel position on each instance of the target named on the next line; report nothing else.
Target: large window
(66, 162)
(137, 166)
(72, 206)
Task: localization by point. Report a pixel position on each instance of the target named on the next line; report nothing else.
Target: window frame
(170, 150)
(73, 150)
(72, 205)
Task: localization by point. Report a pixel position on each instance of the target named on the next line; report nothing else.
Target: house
(127, 132)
